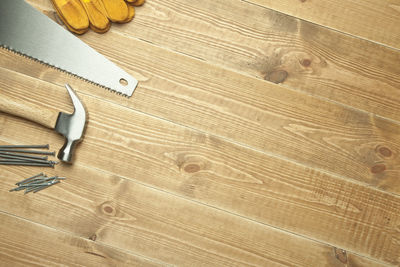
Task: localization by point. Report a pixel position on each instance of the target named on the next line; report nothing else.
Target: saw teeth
(60, 69)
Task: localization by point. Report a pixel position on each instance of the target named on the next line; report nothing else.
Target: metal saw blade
(27, 31)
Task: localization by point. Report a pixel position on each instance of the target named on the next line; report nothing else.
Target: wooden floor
(262, 133)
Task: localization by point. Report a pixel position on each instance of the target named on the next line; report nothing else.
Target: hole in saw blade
(123, 82)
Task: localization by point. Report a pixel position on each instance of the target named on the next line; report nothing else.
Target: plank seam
(280, 157)
(262, 80)
(324, 26)
(196, 203)
(83, 238)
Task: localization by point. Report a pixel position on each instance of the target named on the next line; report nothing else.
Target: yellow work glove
(79, 15)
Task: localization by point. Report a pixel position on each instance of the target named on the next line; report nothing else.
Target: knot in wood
(378, 168)
(107, 209)
(341, 255)
(385, 151)
(277, 76)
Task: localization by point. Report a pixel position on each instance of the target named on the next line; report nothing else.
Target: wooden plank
(123, 143)
(24, 243)
(261, 115)
(269, 45)
(110, 210)
(373, 20)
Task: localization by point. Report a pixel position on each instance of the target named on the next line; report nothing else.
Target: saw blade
(27, 31)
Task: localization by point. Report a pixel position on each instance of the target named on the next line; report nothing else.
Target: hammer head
(71, 126)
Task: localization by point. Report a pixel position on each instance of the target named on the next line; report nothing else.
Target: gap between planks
(124, 255)
(350, 256)
(314, 166)
(149, 109)
(299, 80)
(318, 20)
(244, 145)
(66, 108)
(56, 99)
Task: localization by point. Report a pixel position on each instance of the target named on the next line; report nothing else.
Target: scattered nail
(37, 183)
(27, 179)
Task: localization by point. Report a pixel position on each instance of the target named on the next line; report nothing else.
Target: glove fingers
(136, 2)
(97, 15)
(131, 14)
(79, 15)
(117, 10)
(72, 13)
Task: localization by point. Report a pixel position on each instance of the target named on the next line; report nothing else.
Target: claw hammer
(71, 126)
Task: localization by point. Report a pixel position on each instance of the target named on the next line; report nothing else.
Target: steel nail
(25, 146)
(19, 188)
(22, 155)
(34, 164)
(36, 180)
(45, 178)
(39, 189)
(29, 178)
(30, 189)
(37, 183)
(29, 151)
(22, 158)
(42, 183)
(22, 187)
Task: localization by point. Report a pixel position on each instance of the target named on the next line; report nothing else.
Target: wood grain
(265, 116)
(209, 163)
(24, 243)
(268, 45)
(374, 20)
(33, 112)
(130, 145)
(110, 210)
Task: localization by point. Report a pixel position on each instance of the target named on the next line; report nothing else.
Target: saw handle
(27, 110)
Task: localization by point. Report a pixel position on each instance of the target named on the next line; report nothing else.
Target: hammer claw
(71, 126)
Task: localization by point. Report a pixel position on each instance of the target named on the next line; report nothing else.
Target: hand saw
(27, 31)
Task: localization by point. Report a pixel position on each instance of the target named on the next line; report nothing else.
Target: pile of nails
(37, 183)
(24, 155)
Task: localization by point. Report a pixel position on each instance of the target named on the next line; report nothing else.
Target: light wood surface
(370, 19)
(210, 170)
(265, 116)
(211, 163)
(271, 46)
(25, 243)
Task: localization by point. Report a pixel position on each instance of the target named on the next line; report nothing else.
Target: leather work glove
(79, 15)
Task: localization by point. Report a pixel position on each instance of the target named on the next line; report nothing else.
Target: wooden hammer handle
(28, 110)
